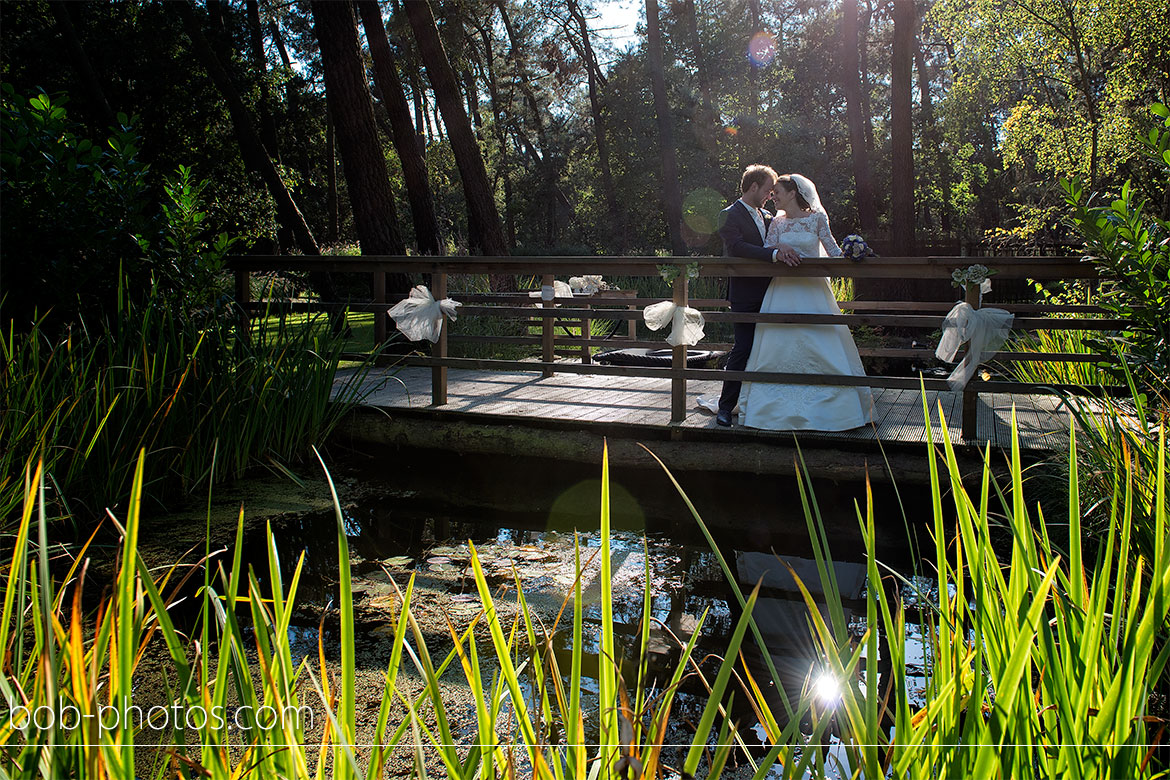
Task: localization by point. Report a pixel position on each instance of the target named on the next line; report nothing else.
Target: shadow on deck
(567, 415)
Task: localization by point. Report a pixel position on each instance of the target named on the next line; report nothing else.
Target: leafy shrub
(74, 210)
(84, 224)
(202, 402)
(1131, 246)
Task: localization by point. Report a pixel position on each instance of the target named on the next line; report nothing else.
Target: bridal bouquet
(855, 248)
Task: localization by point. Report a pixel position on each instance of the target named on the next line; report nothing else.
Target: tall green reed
(1043, 664)
(238, 658)
(1045, 372)
(89, 399)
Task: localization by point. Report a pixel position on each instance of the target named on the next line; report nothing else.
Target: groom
(743, 227)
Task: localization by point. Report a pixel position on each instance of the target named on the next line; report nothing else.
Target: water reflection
(523, 524)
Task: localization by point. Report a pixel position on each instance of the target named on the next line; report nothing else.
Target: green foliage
(1131, 246)
(1047, 89)
(670, 271)
(91, 227)
(204, 404)
(186, 263)
(1119, 436)
(1040, 664)
(81, 206)
(238, 655)
(1053, 372)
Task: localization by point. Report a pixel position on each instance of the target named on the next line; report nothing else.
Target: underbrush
(203, 401)
(1040, 664)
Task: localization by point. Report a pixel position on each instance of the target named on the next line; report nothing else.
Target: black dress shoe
(723, 418)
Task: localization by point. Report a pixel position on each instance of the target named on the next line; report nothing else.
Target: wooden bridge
(561, 387)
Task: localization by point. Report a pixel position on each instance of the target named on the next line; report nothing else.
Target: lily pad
(398, 561)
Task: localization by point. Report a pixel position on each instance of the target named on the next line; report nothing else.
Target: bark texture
(483, 217)
(407, 143)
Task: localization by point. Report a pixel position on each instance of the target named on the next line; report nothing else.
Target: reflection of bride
(803, 349)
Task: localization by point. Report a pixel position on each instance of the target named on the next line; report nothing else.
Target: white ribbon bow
(686, 323)
(420, 316)
(557, 289)
(985, 329)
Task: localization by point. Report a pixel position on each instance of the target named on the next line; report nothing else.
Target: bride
(802, 224)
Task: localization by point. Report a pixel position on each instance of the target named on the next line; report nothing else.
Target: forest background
(507, 126)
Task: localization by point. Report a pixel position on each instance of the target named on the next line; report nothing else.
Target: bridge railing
(544, 315)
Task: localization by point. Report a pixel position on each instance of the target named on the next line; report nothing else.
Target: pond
(525, 518)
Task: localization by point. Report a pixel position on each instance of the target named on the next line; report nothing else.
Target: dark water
(526, 515)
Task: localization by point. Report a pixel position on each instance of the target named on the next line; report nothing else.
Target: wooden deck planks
(638, 401)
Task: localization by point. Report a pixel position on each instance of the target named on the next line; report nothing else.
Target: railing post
(547, 327)
(439, 348)
(378, 286)
(586, 326)
(678, 385)
(970, 422)
(243, 298)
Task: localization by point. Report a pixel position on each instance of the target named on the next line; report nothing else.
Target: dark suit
(741, 238)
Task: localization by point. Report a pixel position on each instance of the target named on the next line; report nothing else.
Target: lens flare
(701, 209)
(827, 689)
(761, 50)
(581, 503)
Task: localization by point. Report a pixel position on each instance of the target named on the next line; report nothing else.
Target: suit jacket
(741, 238)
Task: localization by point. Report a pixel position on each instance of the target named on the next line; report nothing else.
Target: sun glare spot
(827, 689)
(761, 50)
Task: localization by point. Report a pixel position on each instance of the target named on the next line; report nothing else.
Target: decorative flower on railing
(419, 316)
(587, 285)
(855, 248)
(976, 274)
(669, 271)
(686, 323)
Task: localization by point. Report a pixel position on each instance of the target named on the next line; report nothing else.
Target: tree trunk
(671, 195)
(931, 143)
(267, 124)
(251, 147)
(498, 126)
(257, 160)
(351, 108)
(471, 93)
(332, 232)
(420, 111)
(406, 142)
(863, 64)
(544, 160)
(477, 189)
(593, 73)
(851, 84)
(90, 86)
(347, 95)
(902, 130)
(256, 50)
(755, 24)
(706, 125)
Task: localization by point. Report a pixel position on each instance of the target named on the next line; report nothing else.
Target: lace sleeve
(773, 239)
(827, 240)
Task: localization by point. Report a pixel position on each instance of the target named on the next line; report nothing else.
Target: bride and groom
(799, 229)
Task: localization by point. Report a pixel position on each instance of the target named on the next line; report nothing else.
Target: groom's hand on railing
(786, 255)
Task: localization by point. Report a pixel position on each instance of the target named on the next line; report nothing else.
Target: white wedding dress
(804, 349)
